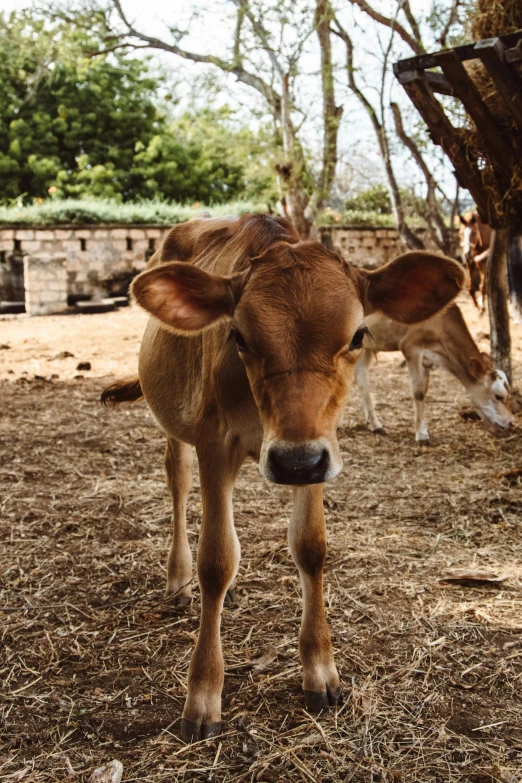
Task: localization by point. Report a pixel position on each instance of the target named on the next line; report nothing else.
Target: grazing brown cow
(251, 351)
(444, 341)
(475, 239)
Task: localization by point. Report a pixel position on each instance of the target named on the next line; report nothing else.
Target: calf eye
(499, 397)
(240, 340)
(357, 339)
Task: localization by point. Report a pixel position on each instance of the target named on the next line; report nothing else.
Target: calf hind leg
(178, 466)
(307, 541)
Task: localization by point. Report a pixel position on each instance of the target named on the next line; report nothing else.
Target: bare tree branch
(415, 45)
(440, 234)
(452, 18)
(252, 80)
(405, 6)
(408, 236)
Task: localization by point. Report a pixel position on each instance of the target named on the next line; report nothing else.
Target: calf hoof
(182, 601)
(317, 702)
(231, 597)
(380, 431)
(193, 732)
(424, 442)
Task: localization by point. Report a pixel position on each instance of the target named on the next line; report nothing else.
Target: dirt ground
(93, 660)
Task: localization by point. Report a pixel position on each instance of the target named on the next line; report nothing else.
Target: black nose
(297, 465)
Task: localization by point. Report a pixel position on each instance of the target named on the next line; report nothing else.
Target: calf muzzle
(307, 463)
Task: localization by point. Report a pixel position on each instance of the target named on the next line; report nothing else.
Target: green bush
(56, 211)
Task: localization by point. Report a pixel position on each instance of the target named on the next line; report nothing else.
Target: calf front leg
(178, 466)
(307, 541)
(218, 560)
(362, 376)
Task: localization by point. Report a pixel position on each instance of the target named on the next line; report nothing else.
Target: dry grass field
(93, 660)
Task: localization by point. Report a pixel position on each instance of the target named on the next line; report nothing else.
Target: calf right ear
(185, 298)
(413, 287)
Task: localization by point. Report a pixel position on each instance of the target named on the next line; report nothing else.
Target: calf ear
(185, 298)
(476, 368)
(412, 288)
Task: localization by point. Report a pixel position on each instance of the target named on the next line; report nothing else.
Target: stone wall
(45, 277)
(101, 259)
(369, 248)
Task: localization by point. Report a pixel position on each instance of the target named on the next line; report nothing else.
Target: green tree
(76, 125)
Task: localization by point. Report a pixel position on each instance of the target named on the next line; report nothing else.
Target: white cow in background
(445, 342)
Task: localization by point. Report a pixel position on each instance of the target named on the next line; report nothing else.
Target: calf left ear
(185, 298)
(413, 287)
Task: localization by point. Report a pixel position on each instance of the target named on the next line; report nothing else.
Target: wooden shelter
(491, 167)
(498, 57)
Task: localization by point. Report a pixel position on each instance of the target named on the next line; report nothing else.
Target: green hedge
(56, 211)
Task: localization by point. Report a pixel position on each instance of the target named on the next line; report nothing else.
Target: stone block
(381, 233)
(62, 233)
(119, 245)
(137, 233)
(31, 246)
(119, 233)
(101, 233)
(23, 234)
(392, 233)
(7, 234)
(83, 233)
(154, 233)
(42, 234)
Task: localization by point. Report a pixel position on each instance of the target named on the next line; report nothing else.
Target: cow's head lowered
(297, 316)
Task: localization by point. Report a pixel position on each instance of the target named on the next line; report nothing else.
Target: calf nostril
(298, 465)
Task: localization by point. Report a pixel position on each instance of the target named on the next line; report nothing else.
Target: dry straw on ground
(94, 660)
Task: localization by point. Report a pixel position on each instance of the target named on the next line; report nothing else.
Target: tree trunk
(496, 282)
(291, 170)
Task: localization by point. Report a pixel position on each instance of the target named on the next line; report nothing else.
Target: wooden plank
(514, 55)
(465, 89)
(437, 81)
(492, 52)
(463, 52)
(443, 134)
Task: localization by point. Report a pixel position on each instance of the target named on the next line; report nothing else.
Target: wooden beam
(437, 81)
(463, 52)
(514, 55)
(443, 133)
(492, 52)
(465, 89)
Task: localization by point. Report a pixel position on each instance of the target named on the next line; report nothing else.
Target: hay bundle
(496, 17)
(490, 19)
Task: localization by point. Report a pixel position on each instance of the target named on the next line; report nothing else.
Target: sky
(210, 32)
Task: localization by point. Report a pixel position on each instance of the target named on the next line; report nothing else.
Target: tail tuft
(127, 390)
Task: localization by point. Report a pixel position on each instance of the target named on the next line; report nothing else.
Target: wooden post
(496, 282)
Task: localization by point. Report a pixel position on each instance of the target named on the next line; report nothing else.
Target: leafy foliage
(76, 125)
(55, 211)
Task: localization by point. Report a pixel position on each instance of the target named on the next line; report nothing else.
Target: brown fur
(249, 352)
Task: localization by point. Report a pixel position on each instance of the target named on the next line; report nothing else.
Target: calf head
(296, 316)
(490, 392)
(469, 234)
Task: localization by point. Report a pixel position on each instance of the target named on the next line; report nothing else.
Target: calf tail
(127, 390)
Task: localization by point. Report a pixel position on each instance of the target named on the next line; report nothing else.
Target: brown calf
(475, 239)
(444, 341)
(251, 351)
